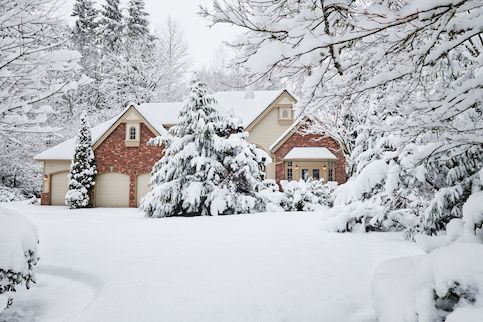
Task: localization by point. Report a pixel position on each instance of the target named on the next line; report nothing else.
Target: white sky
(202, 40)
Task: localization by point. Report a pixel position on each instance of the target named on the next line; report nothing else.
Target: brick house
(124, 160)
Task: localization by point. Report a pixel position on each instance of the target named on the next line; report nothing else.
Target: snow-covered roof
(65, 150)
(247, 107)
(309, 153)
(159, 114)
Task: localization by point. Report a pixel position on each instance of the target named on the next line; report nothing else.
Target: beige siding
(59, 187)
(142, 186)
(268, 128)
(112, 190)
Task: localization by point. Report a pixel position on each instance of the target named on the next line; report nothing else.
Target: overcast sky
(202, 40)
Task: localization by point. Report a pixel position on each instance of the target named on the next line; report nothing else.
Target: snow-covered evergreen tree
(137, 23)
(82, 169)
(112, 25)
(208, 167)
(86, 24)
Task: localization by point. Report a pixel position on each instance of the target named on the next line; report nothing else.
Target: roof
(65, 150)
(248, 109)
(310, 153)
(159, 115)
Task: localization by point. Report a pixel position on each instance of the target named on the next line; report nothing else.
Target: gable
(283, 99)
(268, 126)
(131, 115)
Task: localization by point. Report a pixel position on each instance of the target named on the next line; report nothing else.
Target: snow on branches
(397, 81)
(18, 246)
(208, 167)
(82, 169)
(34, 65)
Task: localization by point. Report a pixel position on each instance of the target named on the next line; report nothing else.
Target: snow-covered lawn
(115, 265)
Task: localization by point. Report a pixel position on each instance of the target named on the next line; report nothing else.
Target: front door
(296, 170)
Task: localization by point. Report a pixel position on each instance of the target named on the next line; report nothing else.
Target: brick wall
(309, 140)
(45, 198)
(133, 161)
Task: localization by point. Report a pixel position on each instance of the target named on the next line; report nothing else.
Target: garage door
(142, 186)
(112, 190)
(59, 184)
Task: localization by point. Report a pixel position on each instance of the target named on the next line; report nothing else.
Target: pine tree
(137, 21)
(86, 24)
(82, 169)
(207, 168)
(455, 175)
(244, 165)
(112, 25)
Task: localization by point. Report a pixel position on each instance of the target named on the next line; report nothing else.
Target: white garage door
(59, 184)
(142, 185)
(112, 190)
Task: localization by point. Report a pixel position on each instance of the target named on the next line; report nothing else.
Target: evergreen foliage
(208, 167)
(112, 25)
(86, 24)
(137, 20)
(82, 169)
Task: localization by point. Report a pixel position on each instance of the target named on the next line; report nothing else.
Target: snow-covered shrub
(364, 202)
(11, 194)
(82, 169)
(208, 167)
(444, 285)
(270, 194)
(18, 254)
(306, 195)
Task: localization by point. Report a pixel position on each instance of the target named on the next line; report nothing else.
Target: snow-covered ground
(115, 265)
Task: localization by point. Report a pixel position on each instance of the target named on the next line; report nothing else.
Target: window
(285, 113)
(305, 174)
(132, 133)
(316, 174)
(331, 171)
(289, 171)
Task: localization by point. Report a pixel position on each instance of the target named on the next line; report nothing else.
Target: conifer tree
(82, 169)
(86, 24)
(455, 174)
(207, 167)
(137, 20)
(112, 25)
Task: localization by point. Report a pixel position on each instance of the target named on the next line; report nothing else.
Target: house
(124, 160)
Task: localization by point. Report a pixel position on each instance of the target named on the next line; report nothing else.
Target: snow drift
(18, 254)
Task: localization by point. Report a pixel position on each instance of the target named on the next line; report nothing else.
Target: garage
(142, 185)
(112, 190)
(59, 184)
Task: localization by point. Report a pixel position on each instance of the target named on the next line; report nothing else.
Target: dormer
(285, 111)
(133, 129)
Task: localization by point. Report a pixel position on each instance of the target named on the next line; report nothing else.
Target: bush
(18, 250)
(297, 195)
(11, 194)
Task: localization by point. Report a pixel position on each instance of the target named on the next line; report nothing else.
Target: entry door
(311, 172)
